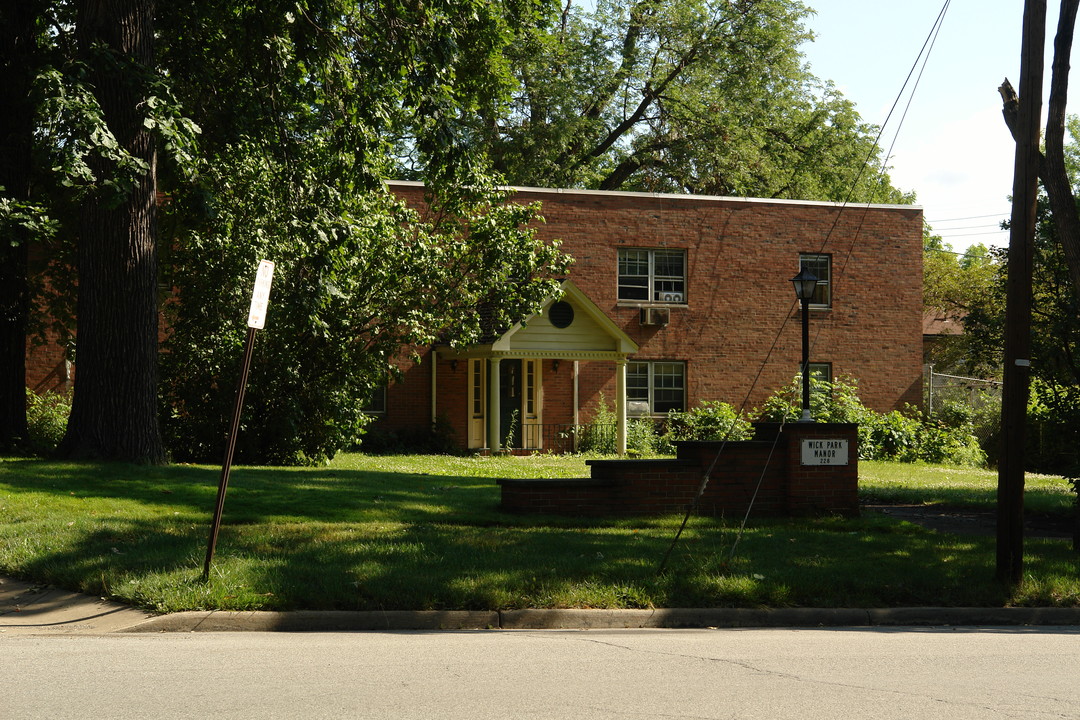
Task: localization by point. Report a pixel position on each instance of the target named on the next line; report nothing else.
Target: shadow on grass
(325, 538)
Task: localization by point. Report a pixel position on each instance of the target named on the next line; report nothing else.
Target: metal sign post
(256, 321)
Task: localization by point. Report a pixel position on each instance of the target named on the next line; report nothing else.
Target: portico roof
(569, 326)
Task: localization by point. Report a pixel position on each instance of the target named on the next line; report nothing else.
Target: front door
(510, 406)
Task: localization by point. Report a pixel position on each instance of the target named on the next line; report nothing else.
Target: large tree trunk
(17, 50)
(1051, 167)
(114, 409)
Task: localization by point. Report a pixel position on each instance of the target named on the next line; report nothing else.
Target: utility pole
(1017, 358)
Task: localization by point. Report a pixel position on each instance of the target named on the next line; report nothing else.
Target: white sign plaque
(833, 451)
(260, 298)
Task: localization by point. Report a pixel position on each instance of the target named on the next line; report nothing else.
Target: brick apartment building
(671, 300)
(676, 299)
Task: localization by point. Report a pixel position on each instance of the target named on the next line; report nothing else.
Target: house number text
(825, 452)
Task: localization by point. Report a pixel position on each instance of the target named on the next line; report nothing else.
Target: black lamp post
(805, 283)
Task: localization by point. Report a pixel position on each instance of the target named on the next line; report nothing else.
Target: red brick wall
(770, 476)
(739, 332)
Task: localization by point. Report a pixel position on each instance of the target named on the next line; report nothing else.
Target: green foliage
(834, 402)
(907, 436)
(46, 420)
(439, 439)
(359, 278)
(642, 439)
(598, 436)
(954, 287)
(681, 96)
(1054, 429)
(712, 420)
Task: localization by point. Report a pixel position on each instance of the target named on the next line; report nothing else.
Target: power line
(970, 217)
(971, 227)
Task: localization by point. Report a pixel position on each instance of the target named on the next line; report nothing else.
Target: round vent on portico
(561, 314)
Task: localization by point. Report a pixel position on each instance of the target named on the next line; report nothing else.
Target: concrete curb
(571, 619)
(30, 609)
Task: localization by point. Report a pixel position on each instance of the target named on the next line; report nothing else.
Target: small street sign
(260, 298)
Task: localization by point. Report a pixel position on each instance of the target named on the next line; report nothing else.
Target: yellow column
(620, 404)
(494, 413)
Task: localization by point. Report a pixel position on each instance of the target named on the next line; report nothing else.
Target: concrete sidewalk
(30, 609)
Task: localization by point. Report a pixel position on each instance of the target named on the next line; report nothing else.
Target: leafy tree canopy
(701, 96)
(277, 121)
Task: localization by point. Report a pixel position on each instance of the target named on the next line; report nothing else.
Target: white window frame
(814, 262)
(654, 369)
(821, 371)
(658, 288)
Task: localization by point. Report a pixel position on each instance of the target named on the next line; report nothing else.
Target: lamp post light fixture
(805, 284)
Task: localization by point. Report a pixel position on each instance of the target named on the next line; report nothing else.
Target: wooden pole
(1017, 357)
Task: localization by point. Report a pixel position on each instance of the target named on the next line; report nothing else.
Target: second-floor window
(652, 275)
(821, 266)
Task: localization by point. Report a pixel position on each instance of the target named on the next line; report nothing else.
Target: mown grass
(949, 485)
(427, 533)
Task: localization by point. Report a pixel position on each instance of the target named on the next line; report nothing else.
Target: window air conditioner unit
(671, 297)
(655, 316)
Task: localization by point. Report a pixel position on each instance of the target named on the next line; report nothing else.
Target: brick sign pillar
(822, 468)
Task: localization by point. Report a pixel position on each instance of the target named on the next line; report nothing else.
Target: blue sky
(952, 148)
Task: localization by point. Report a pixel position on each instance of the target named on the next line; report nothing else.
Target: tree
(300, 108)
(302, 103)
(114, 408)
(18, 40)
(953, 286)
(1055, 308)
(696, 96)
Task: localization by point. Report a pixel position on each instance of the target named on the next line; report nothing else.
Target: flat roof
(678, 196)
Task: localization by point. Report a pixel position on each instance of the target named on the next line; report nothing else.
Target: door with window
(519, 403)
(477, 403)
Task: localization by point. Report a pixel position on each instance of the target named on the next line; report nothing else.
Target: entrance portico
(505, 376)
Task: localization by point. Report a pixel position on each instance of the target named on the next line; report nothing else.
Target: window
(820, 372)
(821, 266)
(659, 386)
(652, 275)
(376, 402)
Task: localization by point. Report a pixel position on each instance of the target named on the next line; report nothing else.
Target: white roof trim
(677, 197)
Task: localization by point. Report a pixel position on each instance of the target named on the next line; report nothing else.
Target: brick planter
(787, 470)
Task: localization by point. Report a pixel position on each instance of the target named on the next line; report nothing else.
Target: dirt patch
(964, 521)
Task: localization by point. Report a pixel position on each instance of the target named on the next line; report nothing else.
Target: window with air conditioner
(657, 276)
(654, 388)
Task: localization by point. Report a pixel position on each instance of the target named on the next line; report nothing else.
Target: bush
(439, 439)
(834, 402)
(907, 436)
(712, 420)
(1053, 438)
(46, 419)
(600, 435)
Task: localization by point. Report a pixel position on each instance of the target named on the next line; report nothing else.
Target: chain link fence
(956, 399)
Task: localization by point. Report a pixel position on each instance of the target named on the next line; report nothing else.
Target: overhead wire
(923, 56)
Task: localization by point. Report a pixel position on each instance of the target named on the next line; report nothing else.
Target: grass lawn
(426, 533)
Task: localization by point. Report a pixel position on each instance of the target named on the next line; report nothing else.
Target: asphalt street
(768, 674)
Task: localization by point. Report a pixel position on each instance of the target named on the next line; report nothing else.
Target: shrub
(835, 402)
(600, 435)
(907, 436)
(46, 419)
(712, 420)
